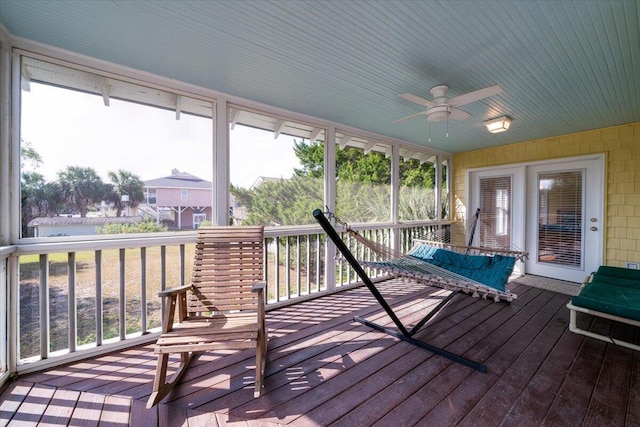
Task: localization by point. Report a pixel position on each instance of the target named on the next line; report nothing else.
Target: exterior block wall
(621, 145)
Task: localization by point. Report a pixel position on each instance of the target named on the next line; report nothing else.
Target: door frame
(520, 199)
(517, 203)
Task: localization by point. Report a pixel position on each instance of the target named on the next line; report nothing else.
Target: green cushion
(492, 271)
(612, 290)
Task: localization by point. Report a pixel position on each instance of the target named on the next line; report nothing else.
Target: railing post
(143, 290)
(123, 297)
(72, 333)
(163, 277)
(99, 313)
(44, 306)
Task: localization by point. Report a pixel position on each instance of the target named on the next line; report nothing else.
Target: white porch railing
(87, 297)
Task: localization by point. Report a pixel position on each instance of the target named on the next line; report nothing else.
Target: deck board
(324, 368)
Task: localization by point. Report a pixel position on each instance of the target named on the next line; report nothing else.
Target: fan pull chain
(446, 135)
(429, 132)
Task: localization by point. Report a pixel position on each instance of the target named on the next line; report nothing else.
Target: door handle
(594, 228)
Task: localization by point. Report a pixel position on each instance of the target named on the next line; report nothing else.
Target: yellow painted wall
(622, 185)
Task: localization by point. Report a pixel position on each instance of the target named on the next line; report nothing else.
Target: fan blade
(459, 115)
(476, 95)
(413, 116)
(416, 99)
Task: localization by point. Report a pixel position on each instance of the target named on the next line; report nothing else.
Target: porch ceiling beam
(233, 116)
(105, 92)
(314, 135)
(369, 147)
(25, 76)
(407, 154)
(277, 128)
(344, 141)
(179, 102)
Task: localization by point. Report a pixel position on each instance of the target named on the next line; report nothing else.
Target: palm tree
(128, 184)
(81, 187)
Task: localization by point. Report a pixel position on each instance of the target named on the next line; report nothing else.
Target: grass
(86, 294)
(85, 290)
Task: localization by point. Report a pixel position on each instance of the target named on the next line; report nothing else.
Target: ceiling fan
(442, 108)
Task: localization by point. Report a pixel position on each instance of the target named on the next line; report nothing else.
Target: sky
(69, 128)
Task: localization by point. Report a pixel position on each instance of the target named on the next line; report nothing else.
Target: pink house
(180, 200)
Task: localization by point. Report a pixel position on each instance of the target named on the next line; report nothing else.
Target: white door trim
(520, 201)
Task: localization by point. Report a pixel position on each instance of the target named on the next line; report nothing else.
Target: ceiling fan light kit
(499, 124)
(440, 108)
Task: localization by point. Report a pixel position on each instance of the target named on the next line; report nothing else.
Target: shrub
(136, 227)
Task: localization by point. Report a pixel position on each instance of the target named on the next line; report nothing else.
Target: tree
(81, 187)
(39, 198)
(362, 189)
(126, 183)
(285, 202)
(28, 153)
(353, 165)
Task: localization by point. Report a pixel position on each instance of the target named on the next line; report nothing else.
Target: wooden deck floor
(325, 369)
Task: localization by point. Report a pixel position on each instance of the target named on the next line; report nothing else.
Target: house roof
(565, 66)
(178, 180)
(261, 180)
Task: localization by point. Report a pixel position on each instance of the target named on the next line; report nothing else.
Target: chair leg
(261, 363)
(162, 387)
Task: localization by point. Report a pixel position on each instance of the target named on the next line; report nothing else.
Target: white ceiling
(565, 66)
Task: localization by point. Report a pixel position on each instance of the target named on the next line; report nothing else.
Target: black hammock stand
(402, 332)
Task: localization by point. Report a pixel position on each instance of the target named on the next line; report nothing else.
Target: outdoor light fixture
(498, 125)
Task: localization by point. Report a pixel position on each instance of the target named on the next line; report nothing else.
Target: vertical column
(14, 152)
(8, 299)
(5, 140)
(438, 189)
(220, 200)
(395, 196)
(330, 202)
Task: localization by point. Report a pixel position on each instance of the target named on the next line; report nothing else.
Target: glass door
(499, 194)
(495, 212)
(564, 219)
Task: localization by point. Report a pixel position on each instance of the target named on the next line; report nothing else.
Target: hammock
(478, 271)
(421, 264)
(441, 265)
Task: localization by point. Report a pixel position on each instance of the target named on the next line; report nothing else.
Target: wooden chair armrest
(258, 287)
(174, 291)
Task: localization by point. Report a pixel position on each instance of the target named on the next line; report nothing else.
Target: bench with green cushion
(612, 293)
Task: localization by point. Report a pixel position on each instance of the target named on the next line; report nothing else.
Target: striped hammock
(480, 272)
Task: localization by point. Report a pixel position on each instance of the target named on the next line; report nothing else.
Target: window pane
(100, 155)
(560, 218)
(277, 175)
(495, 215)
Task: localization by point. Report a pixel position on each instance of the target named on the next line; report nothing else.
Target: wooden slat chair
(223, 307)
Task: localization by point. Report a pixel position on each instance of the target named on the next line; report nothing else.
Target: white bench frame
(573, 327)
